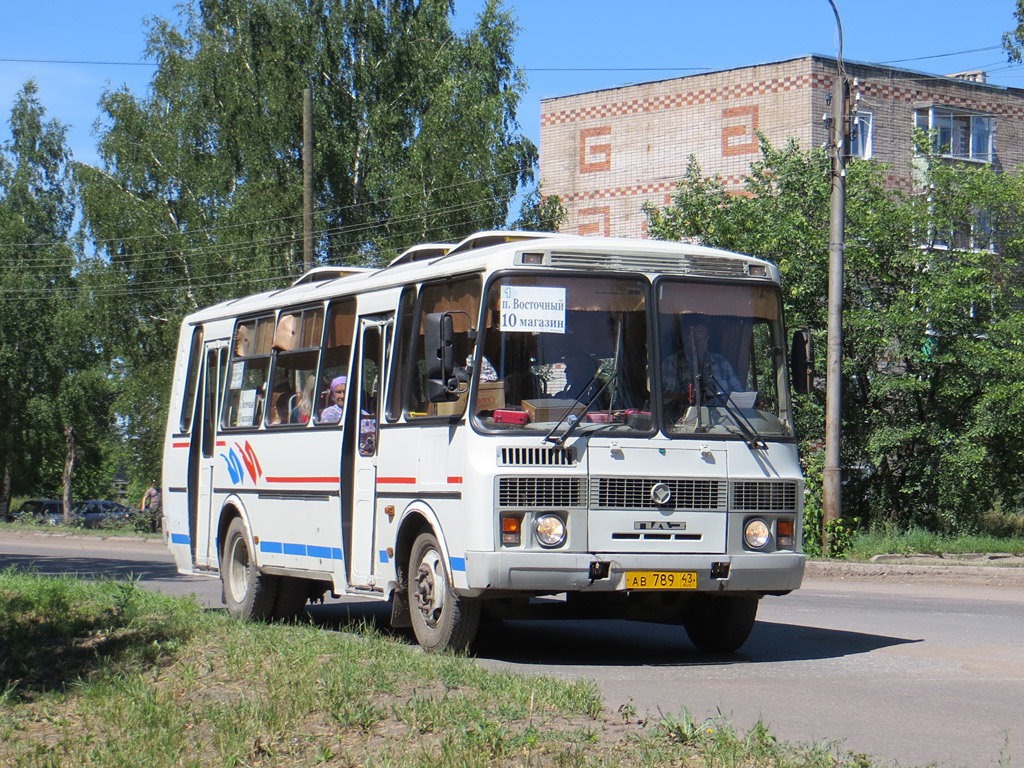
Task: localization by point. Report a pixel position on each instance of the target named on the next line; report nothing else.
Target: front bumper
(553, 572)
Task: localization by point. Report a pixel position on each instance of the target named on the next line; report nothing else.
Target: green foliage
(540, 213)
(50, 374)
(933, 330)
(198, 195)
(1014, 39)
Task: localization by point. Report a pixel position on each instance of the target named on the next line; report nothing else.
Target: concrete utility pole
(832, 501)
(307, 179)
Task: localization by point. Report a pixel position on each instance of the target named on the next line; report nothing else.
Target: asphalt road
(905, 670)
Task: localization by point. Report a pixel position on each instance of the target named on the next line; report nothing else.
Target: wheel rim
(238, 569)
(431, 588)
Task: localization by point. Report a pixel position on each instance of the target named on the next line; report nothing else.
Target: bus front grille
(635, 493)
(541, 492)
(764, 495)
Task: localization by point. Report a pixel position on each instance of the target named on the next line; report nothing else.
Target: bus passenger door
(362, 428)
(202, 456)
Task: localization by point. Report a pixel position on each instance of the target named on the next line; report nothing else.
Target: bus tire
(248, 593)
(720, 623)
(292, 595)
(441, 620)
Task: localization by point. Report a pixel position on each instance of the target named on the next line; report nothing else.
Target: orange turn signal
(511, 531)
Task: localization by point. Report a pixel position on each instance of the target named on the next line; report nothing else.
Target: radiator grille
(635, 493)
(544, 492)
(535, 457)
(764, 496)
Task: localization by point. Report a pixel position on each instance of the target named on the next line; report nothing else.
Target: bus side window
(195, 362)
(293, 381)
(462, 299)
(247, 373)
(404, 332)
(334, 358)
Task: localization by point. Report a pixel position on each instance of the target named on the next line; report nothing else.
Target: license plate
(661, 580)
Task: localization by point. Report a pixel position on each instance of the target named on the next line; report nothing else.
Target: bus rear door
(202, 457)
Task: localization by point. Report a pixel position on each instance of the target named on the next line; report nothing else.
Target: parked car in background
(100, 514)
(49, 511)
(93, 513)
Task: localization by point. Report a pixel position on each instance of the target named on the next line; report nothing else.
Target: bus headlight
(756, 533)
(550, 530)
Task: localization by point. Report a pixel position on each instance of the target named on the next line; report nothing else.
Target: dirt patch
(990, 570)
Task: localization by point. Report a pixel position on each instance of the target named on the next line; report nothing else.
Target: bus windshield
(565, 349)
(722, 360)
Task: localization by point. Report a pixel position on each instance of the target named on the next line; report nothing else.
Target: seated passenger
(332, 413)
(303, 402)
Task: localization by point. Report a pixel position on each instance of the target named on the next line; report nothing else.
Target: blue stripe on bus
(301, 550)
(180, 538)
(326, 553)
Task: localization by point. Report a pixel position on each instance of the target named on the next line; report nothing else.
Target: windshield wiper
(738, 418)
(579, 398)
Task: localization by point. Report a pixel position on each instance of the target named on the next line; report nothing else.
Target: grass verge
(882, 541)
(106, 674)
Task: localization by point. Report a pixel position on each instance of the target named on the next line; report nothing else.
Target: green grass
(884, 541)
(108, 675)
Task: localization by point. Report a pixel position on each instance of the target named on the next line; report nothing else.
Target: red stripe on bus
(454, 480)
(303, 479)
(397, 480)
(221, 443)
(180, 445)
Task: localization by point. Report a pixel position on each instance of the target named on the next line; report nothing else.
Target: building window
(862, 135)
(958, 134)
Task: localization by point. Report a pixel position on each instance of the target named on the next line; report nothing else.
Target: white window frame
(959, 134)
(862, 135)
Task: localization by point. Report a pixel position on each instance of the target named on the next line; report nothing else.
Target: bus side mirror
(801, 361)
(439, 346)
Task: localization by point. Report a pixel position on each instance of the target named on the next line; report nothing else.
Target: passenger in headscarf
(332, 413)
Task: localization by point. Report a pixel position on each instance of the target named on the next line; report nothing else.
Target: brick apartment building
(606, 152)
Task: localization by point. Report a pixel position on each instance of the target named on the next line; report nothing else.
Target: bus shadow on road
(632, 643)
(593, 642)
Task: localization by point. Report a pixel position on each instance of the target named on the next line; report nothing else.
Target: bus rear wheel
(720, 623)
(248, 593)
(441, 620)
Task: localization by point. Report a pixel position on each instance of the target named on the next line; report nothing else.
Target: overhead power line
(943, 55)
(88, 62)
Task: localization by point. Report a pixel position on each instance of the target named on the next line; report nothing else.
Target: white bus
(602, 425)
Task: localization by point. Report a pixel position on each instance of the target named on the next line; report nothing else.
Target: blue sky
(566, 46)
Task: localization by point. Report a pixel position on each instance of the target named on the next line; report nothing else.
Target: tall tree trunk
(5, 494)
(69, 467)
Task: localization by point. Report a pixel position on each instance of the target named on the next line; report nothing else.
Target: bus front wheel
(720, 623)
(441, 620)
(248, 593)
